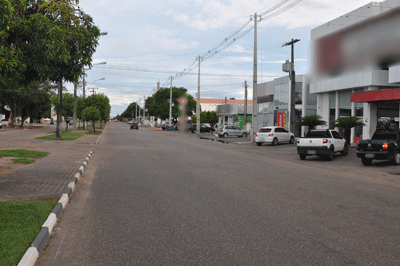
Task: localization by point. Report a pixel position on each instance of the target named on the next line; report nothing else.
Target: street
(162, 198)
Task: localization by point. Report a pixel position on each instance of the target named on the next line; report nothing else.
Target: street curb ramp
(32, 254)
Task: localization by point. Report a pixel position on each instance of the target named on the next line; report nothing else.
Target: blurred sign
(373, 42)
(281, 120)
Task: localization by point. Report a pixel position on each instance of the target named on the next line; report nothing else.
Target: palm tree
(347, 123)
(311, 121)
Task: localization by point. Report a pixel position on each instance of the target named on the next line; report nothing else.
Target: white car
(273, 135)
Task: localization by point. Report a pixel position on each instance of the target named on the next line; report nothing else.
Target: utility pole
(245, 106)
(198, 102)
(292, 76)
(74, 114)
(170, 104)
(254, 122)
(144, 109)
(139, 111)
(158, 86)
(84, 94)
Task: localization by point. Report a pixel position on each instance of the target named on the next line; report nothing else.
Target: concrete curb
(32, 254)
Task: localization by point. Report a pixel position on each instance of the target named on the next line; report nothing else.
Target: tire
(291, 141)
(345, 150)
(366, 162)
(259, 143)
(225, 135)
(244, 135)
(396, 158)
(275, 142)
(302, 156)
(329, 156)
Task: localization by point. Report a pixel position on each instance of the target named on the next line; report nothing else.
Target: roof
(222, 101)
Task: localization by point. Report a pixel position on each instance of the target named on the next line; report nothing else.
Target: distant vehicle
(134, 125)
(203, 128)
(273, 135)
(4, 122)
(226, 131)
(384, 145)
(321, 142)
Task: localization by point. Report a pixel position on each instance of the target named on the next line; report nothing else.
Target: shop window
(311, 97)
(331, 117)
(332, 100)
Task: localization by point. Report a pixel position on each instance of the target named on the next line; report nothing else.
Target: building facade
(352, 85)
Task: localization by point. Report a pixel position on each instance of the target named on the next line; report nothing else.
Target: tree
(347, 123)
(100, 102)
(311, 121)
(130, 111)
(44, 40)
(158, 103)
(67, 105)
(91, 114)
(212, 118)
(38, 109)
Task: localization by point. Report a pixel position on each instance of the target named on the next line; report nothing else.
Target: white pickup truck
(321, 142)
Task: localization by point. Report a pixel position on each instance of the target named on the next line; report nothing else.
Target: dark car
(203, 128)
(134, 125)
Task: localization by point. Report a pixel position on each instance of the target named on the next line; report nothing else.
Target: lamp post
(83, 82)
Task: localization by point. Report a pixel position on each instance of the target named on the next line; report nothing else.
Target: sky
(150, 41)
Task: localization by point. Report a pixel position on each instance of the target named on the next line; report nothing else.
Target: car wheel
(302, 156)
(366, 161)
(259, 143)
(396, 158)
(275, 141)
(244, 135)
(329, 156)
(291, 141)
(345, 150)
(225, 135)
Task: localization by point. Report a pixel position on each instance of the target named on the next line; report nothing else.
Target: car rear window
(265, 130)
(318, 134)
(384, 135)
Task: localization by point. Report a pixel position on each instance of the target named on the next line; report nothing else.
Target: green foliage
(91, 114)
(158, 103)
(311, 121)
(23, 160)
(23, 153)
(347, 122)
(131, 109)
(20, 222)
(209, 117)
(101, 103)
(67, 103)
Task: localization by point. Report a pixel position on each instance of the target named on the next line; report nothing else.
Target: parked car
(273, 135)
(384, 145)
(4, 122)
(203, 128)
(226, 131)
(321, 142)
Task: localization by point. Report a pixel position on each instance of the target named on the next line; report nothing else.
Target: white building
(345, 80)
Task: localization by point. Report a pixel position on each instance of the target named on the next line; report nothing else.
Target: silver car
(226, 131)
(273, 135)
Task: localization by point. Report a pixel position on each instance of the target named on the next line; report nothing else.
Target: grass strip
(23, 160)
(65, 135)
(20, 222)
(23, 153)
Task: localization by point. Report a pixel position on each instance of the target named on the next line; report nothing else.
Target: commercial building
(356, 67)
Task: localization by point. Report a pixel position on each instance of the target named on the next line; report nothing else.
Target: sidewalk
(48, 176)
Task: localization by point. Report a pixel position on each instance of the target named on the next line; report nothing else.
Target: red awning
(371, 96)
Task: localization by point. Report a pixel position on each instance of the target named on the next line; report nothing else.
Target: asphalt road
(160, 198)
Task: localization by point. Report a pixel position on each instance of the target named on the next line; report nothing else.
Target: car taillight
(384, 146)
(324, 141)
(297, 141)
(270, 134)
(256, 134)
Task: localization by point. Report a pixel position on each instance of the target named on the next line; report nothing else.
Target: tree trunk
(94, 127)
(59, 110)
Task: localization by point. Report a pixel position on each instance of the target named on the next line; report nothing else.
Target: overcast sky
(148, 41)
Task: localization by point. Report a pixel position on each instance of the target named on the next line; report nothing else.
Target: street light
(95, 81)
